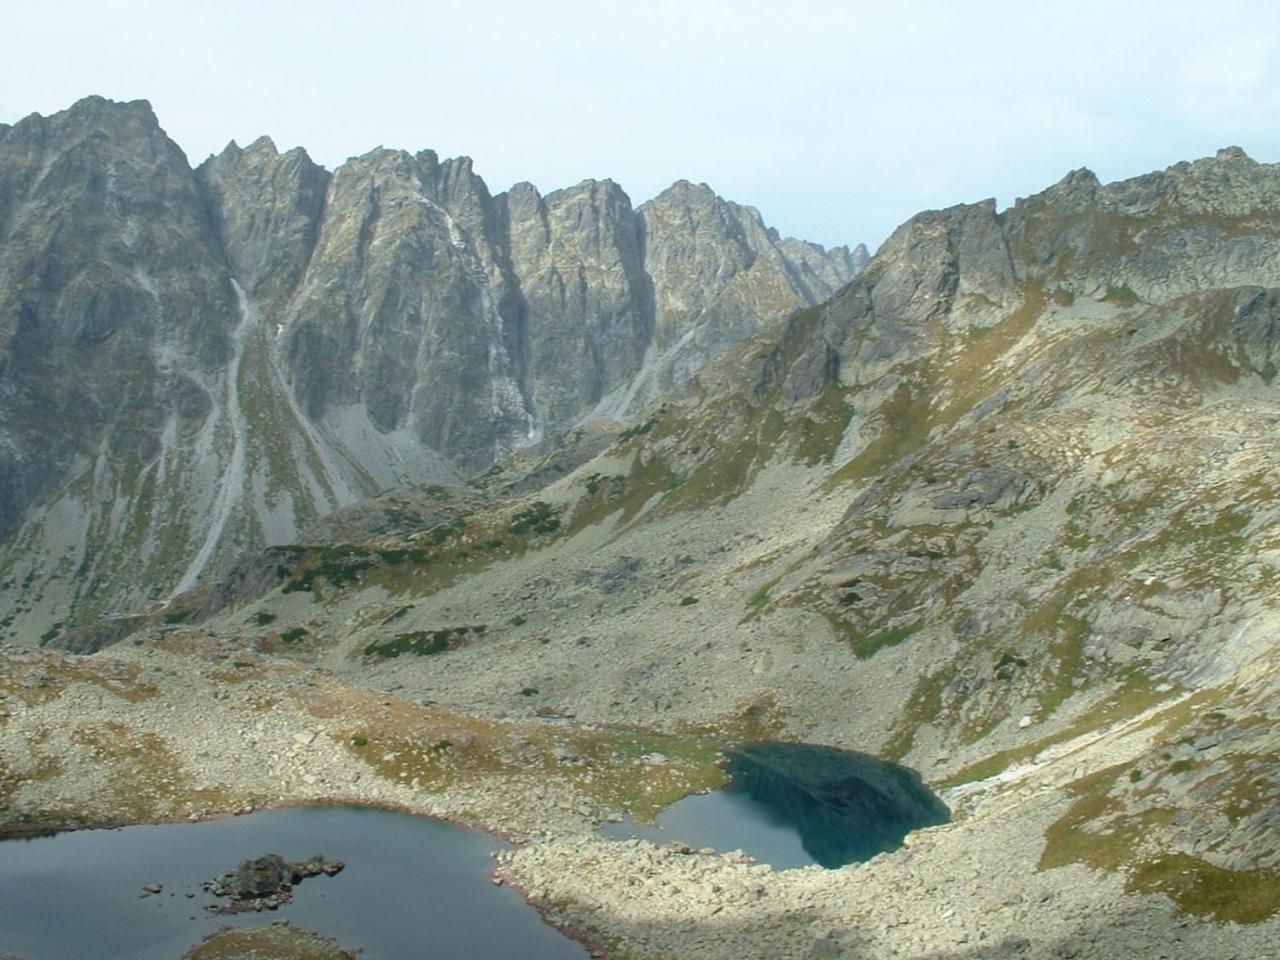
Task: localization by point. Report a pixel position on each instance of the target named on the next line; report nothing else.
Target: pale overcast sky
(838, 120)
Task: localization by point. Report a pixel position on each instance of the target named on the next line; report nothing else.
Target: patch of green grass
(640, 429)
(905, 422)
(261, 943)
(649, 476)
(923, 706)
(262, 618)
(1068, 840)
(430, 561)
(740, 455)
(422, 643)
(538, 517)
(1121, 296)
(397, 614)
(338, 566)
(1065, 633)
(443, 532)
(1009, 664)
(1202, 889)
(760, 598)
(294, 635)
(816, 435)
(867, 645)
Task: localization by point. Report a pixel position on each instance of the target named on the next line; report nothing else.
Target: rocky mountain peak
(96, 110)
(266, 209)
(521, 202)
(264, 146)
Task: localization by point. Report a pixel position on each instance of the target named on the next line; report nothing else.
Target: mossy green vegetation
(418, 565)
(905, 422)
(624, 496)
(923, 706)
(866, 644)
(1099, 832)
(1122, 296)
(760, 598)
(741, 454)
(267, 943)
(422, 643)
(1202, 889)
(641, 429)
(815, 436)
(338, 566)
(538, 517)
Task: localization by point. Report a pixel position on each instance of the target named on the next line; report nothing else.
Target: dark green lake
(412, 888)
(793, 805)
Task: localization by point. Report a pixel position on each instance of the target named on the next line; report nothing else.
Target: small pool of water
(794, 805)
(413, 887)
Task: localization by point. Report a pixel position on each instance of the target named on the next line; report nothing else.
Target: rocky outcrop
(267, 882)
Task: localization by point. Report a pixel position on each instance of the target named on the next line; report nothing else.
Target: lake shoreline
(594, 946)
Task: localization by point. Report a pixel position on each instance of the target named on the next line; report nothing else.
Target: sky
(838, 120)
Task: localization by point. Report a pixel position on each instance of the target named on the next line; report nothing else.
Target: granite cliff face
(193, 362)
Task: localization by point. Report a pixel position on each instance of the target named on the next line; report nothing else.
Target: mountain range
(198, 361)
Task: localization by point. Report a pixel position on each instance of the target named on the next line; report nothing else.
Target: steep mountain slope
(1004, 508)
(196, 362)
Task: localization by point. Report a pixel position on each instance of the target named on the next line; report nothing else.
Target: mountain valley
(997, 504)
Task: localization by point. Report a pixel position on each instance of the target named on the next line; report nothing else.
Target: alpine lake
(415, 886)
